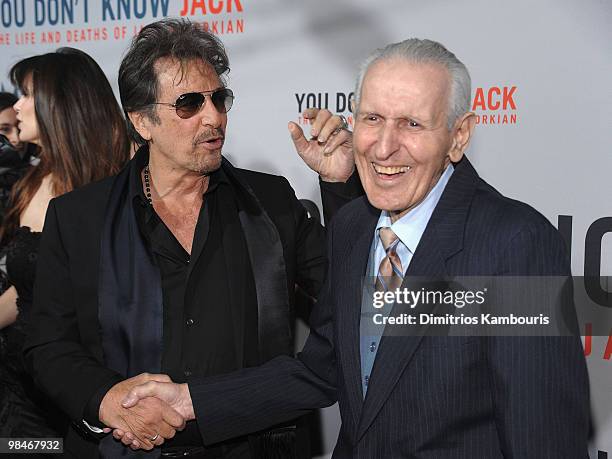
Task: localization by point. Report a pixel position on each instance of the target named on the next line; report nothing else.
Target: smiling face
(401, 141)
(189, 145)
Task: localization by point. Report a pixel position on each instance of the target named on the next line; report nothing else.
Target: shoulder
(262, 182)
(512, 237)
(273, 192)
(355, 213)
(498, 213)
(86, 201)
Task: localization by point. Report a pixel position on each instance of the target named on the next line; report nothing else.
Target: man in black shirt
(181, 264)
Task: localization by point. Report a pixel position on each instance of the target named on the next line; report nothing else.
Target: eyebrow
(404, 116)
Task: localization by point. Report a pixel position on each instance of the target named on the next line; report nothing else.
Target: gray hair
(420, 51)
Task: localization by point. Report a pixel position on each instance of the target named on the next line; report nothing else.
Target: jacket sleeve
(539, 383)
(335, 195)
(59, 364)
(284, 388)
(310, 250)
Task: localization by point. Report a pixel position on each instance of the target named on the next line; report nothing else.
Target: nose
(388, 142)
(210, 115)
(17, 105)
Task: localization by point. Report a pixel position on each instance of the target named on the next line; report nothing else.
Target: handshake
(145, 410)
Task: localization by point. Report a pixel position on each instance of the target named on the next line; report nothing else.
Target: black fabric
(13, 165)
(64, 351)
(493, 397)
(338, 194)
(24, 410)
(203, 335)
(130, 308)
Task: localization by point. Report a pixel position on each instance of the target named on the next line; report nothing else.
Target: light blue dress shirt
(409, 230)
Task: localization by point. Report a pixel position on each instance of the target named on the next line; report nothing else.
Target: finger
(319, 122)
(127, 439)
(297, 135)
(118, 434)
(148, 389)
(166, 430)
(332, 124)
(335, 141)
(173, 418)
(142, 444)
(107, 430)
(159, 441)
(310, 113)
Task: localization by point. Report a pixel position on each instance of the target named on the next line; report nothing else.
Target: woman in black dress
(69, 110)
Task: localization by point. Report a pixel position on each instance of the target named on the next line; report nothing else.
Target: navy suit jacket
(428, 397)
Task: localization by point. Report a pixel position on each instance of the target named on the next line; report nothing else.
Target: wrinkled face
(401, 141)
(26, 115)
(8, 126)
(192, 144)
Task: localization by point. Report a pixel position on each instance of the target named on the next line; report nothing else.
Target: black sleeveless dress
(24, 410)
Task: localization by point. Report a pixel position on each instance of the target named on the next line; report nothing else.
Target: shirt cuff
(91, 415)
(94, 429)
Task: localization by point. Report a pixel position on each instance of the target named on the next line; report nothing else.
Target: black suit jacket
(63, 349)
(428, 397)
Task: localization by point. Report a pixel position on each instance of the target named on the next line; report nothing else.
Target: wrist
(336, 179)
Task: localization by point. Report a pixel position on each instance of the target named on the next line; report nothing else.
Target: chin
(210, 166)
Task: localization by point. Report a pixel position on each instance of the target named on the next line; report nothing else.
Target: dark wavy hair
(83, 135)
(177, 39)
(7, 99)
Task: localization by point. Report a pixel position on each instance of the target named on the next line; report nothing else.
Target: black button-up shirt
(204, 332)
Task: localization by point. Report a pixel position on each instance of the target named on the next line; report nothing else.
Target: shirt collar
(141, 159)
(411, 226)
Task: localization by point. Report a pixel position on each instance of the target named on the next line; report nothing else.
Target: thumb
(297, 135)
(160, 378)
(138, 393)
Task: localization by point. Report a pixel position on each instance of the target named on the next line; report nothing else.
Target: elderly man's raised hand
(329, 152)
(144, 425)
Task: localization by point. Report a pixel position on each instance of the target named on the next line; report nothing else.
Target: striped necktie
(390, 273)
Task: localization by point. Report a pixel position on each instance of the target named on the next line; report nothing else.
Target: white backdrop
(551, 59)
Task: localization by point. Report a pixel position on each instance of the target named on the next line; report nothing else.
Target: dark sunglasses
(187, 105)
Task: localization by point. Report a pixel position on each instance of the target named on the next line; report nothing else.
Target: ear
(141, 124)
(462, 134)
(352, 104)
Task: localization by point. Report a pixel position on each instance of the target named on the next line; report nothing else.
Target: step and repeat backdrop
(541, 75)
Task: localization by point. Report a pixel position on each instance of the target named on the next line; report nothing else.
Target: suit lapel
(234, 251)
(266, 255)
(442, 238)
(349, 281)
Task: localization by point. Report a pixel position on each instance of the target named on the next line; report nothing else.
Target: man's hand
(330, 150)
(145, 425)
(175, 395)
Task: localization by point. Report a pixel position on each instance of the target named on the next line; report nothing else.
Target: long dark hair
(82, 132)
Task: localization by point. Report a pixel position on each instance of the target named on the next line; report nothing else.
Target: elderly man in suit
(426, 213)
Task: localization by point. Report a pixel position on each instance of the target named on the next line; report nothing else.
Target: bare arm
(8, 307)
